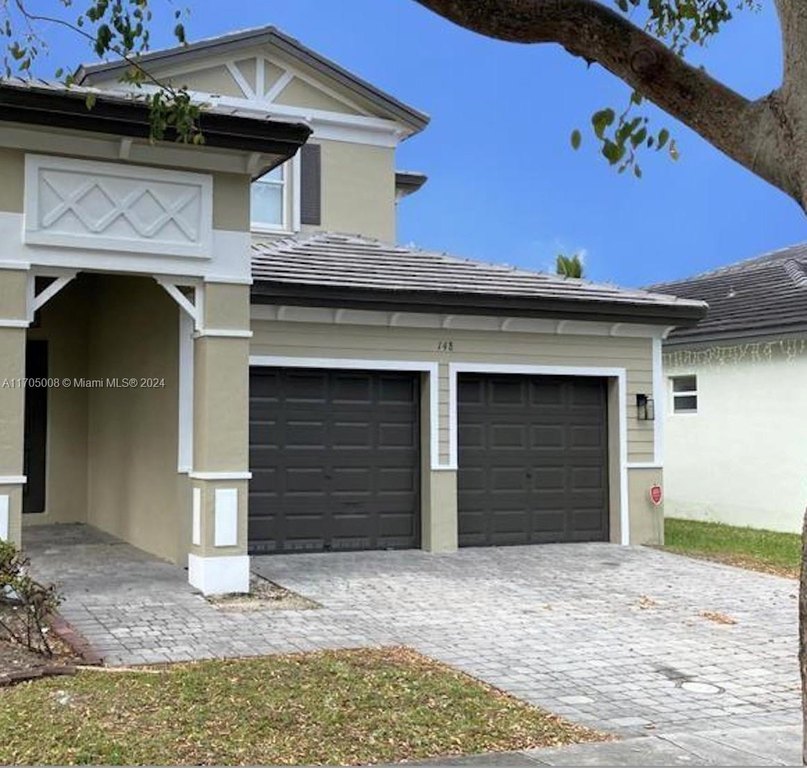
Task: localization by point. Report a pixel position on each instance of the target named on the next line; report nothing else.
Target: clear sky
(505, 184)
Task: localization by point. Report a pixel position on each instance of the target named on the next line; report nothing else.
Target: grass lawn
(767, 551)
(359, 706)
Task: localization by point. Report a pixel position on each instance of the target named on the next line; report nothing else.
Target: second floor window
(269, 200)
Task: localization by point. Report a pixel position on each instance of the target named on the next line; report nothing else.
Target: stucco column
(218, 561)
(13, 324)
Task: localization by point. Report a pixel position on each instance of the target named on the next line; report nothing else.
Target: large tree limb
(753, 133)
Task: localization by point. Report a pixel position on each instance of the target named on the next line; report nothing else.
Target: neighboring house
(232, 374)
(735, 441)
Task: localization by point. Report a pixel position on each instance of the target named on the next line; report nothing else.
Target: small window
(684, 394)
(269, 200)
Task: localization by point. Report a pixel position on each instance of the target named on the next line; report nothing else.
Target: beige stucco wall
(646, 519)
(64, 324)
(134, 490)
(12, 171)
(358, 190)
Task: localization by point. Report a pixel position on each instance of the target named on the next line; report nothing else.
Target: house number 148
(445, 346)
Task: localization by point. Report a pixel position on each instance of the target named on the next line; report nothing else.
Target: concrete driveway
(629, 640)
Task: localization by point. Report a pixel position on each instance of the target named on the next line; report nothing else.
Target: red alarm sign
(656, 494)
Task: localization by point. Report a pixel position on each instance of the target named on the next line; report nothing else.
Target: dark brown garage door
(533, 459)
(335, 460)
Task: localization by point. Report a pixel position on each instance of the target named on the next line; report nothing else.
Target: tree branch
(749, 132)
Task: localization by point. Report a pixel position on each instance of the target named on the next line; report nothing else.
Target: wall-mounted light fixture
(645, 408)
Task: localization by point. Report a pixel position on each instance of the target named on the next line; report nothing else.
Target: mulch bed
(18, 663)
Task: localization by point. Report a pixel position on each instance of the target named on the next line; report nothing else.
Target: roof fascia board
(477, 304)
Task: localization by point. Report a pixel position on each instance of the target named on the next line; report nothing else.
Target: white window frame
(673, 395)
(290, 200)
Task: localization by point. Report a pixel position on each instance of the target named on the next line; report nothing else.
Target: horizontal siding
(295, 339)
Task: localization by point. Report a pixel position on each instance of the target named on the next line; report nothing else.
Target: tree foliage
(569, 266)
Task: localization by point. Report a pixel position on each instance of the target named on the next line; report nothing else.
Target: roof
(409, 182)
(125, 113)
(262, 36)
(344, 270)
(763, 296)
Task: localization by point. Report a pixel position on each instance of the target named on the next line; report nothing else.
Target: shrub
(25, 604)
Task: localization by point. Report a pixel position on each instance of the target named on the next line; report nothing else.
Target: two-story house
(238, 359)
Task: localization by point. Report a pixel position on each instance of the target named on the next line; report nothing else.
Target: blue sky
(504, 183)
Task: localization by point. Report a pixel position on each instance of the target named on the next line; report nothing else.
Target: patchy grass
(758, 550)
(337, 707)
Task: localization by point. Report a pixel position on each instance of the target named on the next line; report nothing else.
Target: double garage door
(335, 460)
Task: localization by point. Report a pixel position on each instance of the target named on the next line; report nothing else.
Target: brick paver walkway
(607, 636)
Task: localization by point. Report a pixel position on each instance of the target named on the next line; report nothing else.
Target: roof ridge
(761, 260)
(795, 271)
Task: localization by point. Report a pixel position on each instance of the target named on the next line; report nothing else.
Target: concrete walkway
(631, 641)
(734, 747)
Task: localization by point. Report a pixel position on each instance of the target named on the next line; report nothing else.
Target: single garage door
(533, 459)
(335, 460)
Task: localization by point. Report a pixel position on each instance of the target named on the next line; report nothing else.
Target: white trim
(295, 198)
(225, 517)
(279, 86)
(5, 517)
(432, 369)
(248, 91)
(396, 318)
(197, 185)
(13, 479)
(644, 465)
(196, 517)
(659, 398)
(38, 300)
(220, 475)
(260, 76)
(185, 387)
(619, 374)
(14, 323)
(21, 266)
(223, 333)
(192, 309)
(219, 575)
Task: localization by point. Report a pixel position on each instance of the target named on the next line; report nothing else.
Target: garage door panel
(551, 436)
(532, 459)
(397, 435)
(343, 469)
(351, 434)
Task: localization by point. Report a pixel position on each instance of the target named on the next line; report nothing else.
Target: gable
(301, 94)
(262, 68)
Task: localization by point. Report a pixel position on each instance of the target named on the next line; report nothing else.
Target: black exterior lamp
(645, 408)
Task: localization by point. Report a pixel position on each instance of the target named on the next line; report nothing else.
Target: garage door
(533, 459)
(335, 460)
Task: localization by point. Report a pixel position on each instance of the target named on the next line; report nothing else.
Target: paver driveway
(608, 636)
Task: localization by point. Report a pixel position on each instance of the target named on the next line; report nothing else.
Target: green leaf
(577, 139)
(601, 120)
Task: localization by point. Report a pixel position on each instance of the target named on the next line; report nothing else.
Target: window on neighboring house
(684, 394)
(269, 200)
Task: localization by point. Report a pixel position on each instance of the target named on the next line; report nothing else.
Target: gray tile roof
(763, 296)
(339, 264)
